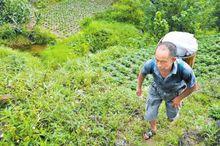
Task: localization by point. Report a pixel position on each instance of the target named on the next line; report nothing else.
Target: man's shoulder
(148, 66)
(151, 63)
(183, 66)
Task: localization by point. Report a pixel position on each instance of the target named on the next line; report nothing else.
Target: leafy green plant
(160, 25)
(41, 36)
(128, 11)
(181, 15)
(15, 12)
(215, 112)
(101, 35)
(7, 32)
(211, 134)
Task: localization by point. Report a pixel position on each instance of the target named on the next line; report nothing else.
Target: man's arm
(177, 100)
(140, 80)
(147, 69)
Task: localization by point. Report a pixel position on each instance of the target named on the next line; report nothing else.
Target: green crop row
(63, 18)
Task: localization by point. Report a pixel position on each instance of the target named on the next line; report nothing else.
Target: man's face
(163, 59)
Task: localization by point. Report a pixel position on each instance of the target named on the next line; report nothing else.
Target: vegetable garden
(63, 18)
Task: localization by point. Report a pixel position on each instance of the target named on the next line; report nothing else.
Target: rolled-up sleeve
(147, 68)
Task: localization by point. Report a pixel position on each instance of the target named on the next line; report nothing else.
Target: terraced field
(63, 18)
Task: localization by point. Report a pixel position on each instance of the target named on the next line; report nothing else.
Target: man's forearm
(140, 80)
(187, 92)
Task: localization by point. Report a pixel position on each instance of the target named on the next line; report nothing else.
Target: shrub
(160, 25)
(19, 42)
(128, 11)
(101, 35)
(14, 11)
(7, 32)
(20, 37)
(41, 36)
(181, 15)
(217, 14)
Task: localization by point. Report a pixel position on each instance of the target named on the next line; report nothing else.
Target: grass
(81, 91)
(80, 104)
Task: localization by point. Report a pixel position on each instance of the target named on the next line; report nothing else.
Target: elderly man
(173, 81)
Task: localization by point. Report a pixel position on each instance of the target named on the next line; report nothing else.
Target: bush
(41, 36)
(217, 14)
(128, 11)
(160, 25)
(180, 15)
(19, 42)
(14, 11)
(161, 16)
(7, 32)
(101, 35)
(20, 37)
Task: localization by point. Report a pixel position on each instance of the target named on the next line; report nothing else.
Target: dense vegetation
(81, 90)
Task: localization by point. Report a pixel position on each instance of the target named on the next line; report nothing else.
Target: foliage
(217, 14)
(96, 109)
(215, 112)
(7, 31)
(101, 35)
(14, 11)
(160, 25)
(124, 70)
(181, 15)
(41, 36)
(97, 36)
(127, 11)
(207, 60)
(43, 4)
(88, 96)
(20, 37)
(211, 134)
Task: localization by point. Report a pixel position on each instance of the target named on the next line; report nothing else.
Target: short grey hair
(170, 46)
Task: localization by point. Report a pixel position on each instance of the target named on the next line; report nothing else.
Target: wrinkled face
(163, 59)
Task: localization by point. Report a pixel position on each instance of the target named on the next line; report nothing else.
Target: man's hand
(176, 103)
(139, 91)
(177, 100)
